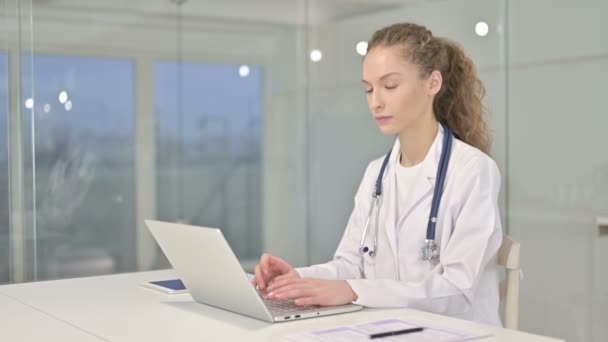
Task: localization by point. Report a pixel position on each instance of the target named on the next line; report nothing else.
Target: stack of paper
(362, 332)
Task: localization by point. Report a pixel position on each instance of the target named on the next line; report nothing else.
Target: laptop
(213, 275)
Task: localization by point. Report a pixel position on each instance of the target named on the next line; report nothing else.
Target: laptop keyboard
(282, 307)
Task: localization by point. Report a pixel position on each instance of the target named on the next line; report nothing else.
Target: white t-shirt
(405, 177)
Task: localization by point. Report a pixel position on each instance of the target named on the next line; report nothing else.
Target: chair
(508, 257)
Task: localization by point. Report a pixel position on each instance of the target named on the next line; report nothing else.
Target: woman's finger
(307, 301)
(282, 289)
(293, 292)
(285, 281)
(258, 279)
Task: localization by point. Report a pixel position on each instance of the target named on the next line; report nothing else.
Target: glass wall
(149, 110)
(83, 164)
(189, 112)
(4, 199)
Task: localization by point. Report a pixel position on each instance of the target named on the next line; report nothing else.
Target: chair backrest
(508, 256)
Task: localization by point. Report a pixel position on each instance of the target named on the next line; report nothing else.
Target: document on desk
(362, 332)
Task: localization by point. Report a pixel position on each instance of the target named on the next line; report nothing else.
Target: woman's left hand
(309, 291)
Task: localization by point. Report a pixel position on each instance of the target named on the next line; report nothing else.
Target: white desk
(116, 308)
(20, 322)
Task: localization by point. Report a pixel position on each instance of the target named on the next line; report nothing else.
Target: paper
(362, 332)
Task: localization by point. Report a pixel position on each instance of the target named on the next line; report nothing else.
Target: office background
(250, 116)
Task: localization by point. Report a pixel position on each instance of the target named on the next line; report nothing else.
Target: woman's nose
(376, 102)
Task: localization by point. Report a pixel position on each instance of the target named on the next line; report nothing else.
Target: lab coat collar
(430, 162)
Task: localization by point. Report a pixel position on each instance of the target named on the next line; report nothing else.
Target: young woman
(425, 229)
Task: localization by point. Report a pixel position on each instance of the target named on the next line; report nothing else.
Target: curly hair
(458, 104)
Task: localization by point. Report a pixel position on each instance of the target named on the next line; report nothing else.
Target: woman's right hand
(271, 269)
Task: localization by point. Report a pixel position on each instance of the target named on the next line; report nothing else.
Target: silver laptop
(212, 274)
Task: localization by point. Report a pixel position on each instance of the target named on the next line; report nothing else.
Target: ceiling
(281, 12)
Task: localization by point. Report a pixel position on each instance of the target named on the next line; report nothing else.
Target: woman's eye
(390, 86)
(368, 91)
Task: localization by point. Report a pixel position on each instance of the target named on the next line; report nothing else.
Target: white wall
(557, 166)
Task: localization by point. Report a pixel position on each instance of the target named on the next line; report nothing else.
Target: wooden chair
(508, 257)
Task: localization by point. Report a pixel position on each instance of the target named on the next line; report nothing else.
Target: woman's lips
(381, 119)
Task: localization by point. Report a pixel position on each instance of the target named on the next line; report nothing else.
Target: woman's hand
(309, 291)
(272, 269)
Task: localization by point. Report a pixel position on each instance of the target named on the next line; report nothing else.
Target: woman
(423, 89)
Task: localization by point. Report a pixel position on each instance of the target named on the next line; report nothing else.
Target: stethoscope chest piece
(430, 252)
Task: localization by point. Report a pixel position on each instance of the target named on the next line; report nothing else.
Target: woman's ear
(435, 81)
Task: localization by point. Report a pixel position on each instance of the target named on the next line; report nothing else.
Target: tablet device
(170, 286)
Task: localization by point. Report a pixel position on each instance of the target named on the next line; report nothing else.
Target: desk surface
(23, 323)
(116, 308)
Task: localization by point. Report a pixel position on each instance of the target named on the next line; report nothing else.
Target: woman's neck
(417, 140)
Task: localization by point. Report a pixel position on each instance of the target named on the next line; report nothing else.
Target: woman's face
(397, 95)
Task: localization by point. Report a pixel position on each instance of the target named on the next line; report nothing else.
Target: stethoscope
(429, 251)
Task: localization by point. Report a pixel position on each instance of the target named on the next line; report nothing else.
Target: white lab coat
(465, 282)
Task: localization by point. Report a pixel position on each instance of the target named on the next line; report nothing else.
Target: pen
(396, 332)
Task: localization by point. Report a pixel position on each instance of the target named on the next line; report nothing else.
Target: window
(208, 149)
(84, 164)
